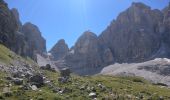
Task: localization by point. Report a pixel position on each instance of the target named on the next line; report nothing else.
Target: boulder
(17, 74)
(34, 87)
(92, 95)
(37, 80)
(48, 67)
(63, 79)
(65, 72)
(17, 81)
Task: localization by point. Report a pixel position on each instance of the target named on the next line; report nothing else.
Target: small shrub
(161, 84)
(138, 80)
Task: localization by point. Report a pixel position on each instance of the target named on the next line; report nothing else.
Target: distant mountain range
(138, 34)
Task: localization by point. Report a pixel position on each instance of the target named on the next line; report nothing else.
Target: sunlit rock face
(25, 40)
(137, 35)
(17, 18)
(134, 36)
(8, 25)
(85, 56)
(165, 29)
(59, 50)
(35, 42)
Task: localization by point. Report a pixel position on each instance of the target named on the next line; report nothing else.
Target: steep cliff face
(165, 29)
(138, 34)
(85, 56)
(24, 40)
(134, 36)
(8, 26)
(17, 18)
(35, 42)
(59, 50)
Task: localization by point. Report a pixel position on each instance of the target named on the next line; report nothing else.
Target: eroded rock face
(85, 55)
(134, 36)
(8, 25)
(59, 50)
(16, 15)
(24, 40)
(35, 42)
(165, 28)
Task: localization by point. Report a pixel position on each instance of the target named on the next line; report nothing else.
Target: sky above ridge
(68, 19)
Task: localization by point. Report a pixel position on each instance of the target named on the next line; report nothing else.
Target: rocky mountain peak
(34, 38)
(139, 5)
(134, 31)
(15, 12)
(17, 17)
(86, 42)
(61, 41)
(59, 50)
(89, 34)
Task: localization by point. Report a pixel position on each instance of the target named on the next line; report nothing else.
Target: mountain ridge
(138, 34)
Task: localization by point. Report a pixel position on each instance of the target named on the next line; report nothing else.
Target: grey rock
(35, 42)
(86, 56)
(17, 17)
(18, 38)
(65, 72)
(63, 79)
(59, 50)
(34, 87)
(92, 95)
(8, 26)
(48, 67)
(134, 35)
(37, 80)
(17, 81)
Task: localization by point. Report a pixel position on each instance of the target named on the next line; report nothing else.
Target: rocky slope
(22, 79)
(156, 71)
(25, 40)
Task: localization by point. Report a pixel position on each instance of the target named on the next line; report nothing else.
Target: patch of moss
(5, 54)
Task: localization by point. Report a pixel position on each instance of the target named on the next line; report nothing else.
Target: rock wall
(59, 50)
(137, 35)
(25, 40)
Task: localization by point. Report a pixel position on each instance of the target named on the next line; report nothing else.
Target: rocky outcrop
(85, 56)
(8, 26)
(138, 34)
(165, 28)
(16, 15)
(24, 40)
(134, 36)
(35, 42)
(59, 50)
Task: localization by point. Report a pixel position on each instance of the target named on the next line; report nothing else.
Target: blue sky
(68, 19)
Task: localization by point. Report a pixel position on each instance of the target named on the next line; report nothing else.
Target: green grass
(121, 86)
(5, 54)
